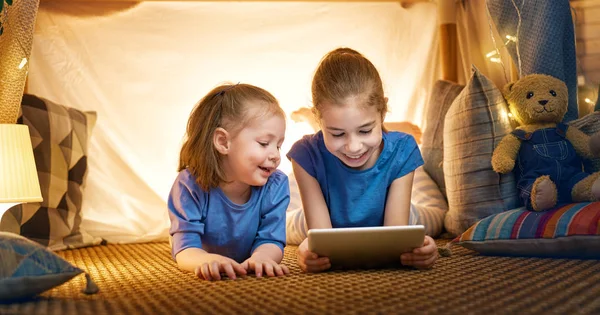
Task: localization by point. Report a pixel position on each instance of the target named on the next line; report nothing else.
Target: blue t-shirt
(356, 198)
(212, 222)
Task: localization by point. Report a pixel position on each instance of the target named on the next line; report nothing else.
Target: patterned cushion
(59, 136)
(474, 125)
(571, 230)
(27, 268)
(442, 96)
(427, 208)
(546, 40)
(589, 124)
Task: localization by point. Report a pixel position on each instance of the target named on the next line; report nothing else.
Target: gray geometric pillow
(59, 136)
(474, 125)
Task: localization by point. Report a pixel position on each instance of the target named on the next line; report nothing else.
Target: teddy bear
(547, 153)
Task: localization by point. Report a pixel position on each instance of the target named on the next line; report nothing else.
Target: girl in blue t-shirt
(354, 173)
(227, 205)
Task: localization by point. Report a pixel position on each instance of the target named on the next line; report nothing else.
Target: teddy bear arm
(580, 141)
(505, 154)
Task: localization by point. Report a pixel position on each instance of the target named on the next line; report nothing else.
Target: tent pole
(448, 39)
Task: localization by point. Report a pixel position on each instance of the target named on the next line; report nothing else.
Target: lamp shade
(18, 174)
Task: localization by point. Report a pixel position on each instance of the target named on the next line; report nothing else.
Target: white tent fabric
(142, 67)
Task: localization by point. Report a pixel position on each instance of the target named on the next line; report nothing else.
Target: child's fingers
(229, 271)
(416, 257)
(285, 269)
(427, 263)
(317, 262)
(268, 267)
(205, 272)
(317, 268)
(258, 269)
(278, 269)
(215, 271)
(425, 249)
(240, 269)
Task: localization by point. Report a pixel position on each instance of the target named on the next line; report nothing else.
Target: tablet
(365, 246)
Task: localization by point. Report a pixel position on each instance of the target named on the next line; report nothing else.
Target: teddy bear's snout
(543, 102)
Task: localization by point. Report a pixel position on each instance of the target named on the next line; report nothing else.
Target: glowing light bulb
(589, 101)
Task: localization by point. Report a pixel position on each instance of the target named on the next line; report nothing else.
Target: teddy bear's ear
(508, 88)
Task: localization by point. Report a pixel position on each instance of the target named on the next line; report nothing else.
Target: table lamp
(18, 174)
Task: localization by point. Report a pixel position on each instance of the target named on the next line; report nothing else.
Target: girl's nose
(353, 146)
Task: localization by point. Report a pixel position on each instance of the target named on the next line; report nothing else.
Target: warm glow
(496, 60)
(18, 174)
(589, 101)
(511, 38)
(491, 53)
(23, 63)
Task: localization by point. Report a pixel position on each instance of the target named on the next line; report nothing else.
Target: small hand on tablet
(422, 257)
(309, 261)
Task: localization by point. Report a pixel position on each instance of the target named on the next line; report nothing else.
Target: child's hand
(260, 263)
(309, 261)
(213, 265)
(422, 257)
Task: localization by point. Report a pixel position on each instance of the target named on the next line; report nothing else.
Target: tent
(141, 66)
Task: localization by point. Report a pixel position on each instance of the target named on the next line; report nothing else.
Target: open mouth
(266, 169)
(356, 158)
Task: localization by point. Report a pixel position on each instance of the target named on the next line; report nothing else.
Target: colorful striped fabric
(571, 230)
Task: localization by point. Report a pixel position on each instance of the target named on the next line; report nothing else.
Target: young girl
(354, 173)
(227, 205)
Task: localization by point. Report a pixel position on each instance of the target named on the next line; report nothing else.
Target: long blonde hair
(226, 106)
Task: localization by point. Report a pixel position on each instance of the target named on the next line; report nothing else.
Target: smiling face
(253, 153)
(537, 98)
(352, 132)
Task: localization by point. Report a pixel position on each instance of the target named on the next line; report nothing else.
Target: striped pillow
(571, 231)
(473, 127)
(442, 96)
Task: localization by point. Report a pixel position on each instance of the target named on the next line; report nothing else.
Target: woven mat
(142, 279)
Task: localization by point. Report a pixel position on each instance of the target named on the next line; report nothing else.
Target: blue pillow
(27, 268)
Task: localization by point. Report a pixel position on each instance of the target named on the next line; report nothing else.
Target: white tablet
(365, 246)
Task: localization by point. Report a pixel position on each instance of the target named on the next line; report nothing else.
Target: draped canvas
(143, 66)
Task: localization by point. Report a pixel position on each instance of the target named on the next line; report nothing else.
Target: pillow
(568, 231)
(427, 208)
(475, 123)
(27, 268)
(589, 124)
(59, 136)
(442, 96)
